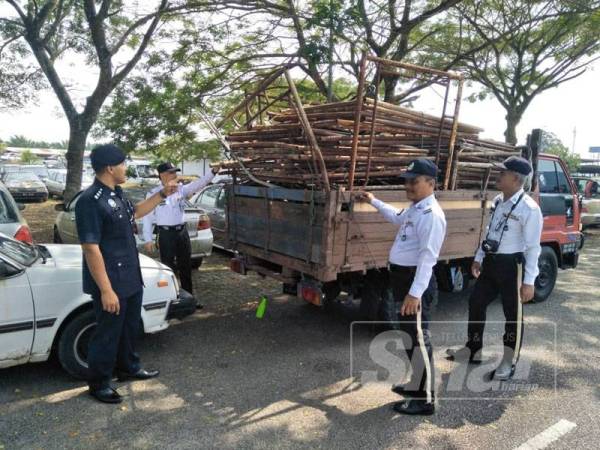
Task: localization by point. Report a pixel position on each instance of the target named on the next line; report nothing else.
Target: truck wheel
(73, 344)
(544, 283)
(375, 300)
(56, 236)
(581, 241)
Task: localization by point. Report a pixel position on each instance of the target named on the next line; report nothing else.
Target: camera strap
(505, 219)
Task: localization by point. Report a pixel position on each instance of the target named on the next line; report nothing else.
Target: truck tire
(581, 241)
(56, 236)
(376, 302)
(73, 343)
(544, 283)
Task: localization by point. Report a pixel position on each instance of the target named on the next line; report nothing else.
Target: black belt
(171, 227)
(397, 268)
(499, 257)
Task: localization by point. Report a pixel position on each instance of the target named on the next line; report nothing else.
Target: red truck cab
(556, 193)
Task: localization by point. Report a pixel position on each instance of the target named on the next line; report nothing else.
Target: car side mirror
(21, 206)
(60, 207)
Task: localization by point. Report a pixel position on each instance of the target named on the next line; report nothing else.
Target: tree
(554, 42)
(106, 34)
(28, 157)
(553, 145)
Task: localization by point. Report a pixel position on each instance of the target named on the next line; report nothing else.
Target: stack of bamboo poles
(390, 136)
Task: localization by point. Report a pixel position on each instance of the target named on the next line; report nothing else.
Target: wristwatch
(162, 194)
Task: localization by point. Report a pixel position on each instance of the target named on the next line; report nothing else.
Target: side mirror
(21, 206)
(60, 207)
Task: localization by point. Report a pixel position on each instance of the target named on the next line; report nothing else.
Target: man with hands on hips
(422, 228)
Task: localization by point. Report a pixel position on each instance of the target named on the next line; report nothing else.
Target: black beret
(106, 155)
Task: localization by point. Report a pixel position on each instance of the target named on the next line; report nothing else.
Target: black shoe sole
(415, 412)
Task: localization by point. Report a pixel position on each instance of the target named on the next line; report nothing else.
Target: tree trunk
(389, 83)
(512, 120)
(77, 140)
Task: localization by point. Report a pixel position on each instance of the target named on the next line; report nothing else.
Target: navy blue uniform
(106, 218)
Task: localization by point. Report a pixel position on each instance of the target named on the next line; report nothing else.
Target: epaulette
(98, 194)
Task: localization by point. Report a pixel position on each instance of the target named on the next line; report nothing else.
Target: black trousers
(176, 252)
(500, 275)
(419, 348)
(113, 343)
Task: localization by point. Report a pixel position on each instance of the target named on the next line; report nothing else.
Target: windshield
(18, 251)
(146, 171)
(42, 171)
(21, 176)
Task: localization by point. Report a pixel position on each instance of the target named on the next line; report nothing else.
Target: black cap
(167, 167)
(106, 155)
(515, 164)
(419, 167)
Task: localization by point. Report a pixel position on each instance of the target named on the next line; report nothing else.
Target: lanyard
(504, 227)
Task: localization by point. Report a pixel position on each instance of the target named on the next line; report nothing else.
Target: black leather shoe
(106, 395)
(462, 354)
(141, 374)
(199, 306)
(414, 407)
(400, 389)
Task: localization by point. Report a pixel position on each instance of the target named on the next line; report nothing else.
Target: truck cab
(557, 196)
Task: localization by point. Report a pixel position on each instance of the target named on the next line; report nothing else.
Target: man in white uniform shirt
(422, 228)
(173, 239)
(506, 263)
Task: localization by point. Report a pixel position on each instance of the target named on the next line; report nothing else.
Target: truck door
(556, 197)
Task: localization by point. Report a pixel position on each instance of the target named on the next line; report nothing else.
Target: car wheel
(73, 344)
(544, 283)
(56, 236)
(196, 263)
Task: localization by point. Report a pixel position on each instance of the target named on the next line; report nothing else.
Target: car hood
(65, 255)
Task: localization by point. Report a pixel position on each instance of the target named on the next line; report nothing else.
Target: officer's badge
(112, 203)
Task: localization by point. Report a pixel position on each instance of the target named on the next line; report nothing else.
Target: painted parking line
(549, 435)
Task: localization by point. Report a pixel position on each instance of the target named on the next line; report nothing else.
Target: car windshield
(22, 176)
(40, 171)
(146, 171)
(20, 252)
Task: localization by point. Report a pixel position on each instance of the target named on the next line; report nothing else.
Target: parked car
(197, 222)
(5, 169)
(212, 199)
(12, 222)
(25, 186)
(45, 310)
(57, 182)
(590, 192)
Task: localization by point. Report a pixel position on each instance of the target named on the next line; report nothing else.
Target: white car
(43, 308)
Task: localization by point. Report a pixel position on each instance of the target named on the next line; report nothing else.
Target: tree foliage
(28, 157)
(553, 145)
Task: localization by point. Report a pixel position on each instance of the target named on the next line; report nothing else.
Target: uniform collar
(515, 196)
(99, 184)
(425, 202)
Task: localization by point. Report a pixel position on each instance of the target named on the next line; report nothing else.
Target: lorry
(321, 242)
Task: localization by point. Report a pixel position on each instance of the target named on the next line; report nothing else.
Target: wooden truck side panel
(323, 236)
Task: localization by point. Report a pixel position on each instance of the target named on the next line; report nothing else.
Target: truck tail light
(203, 223)
(237, 265)
(312, 295)
(24, 235)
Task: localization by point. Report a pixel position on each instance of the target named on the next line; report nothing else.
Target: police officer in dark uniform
(111, 272)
